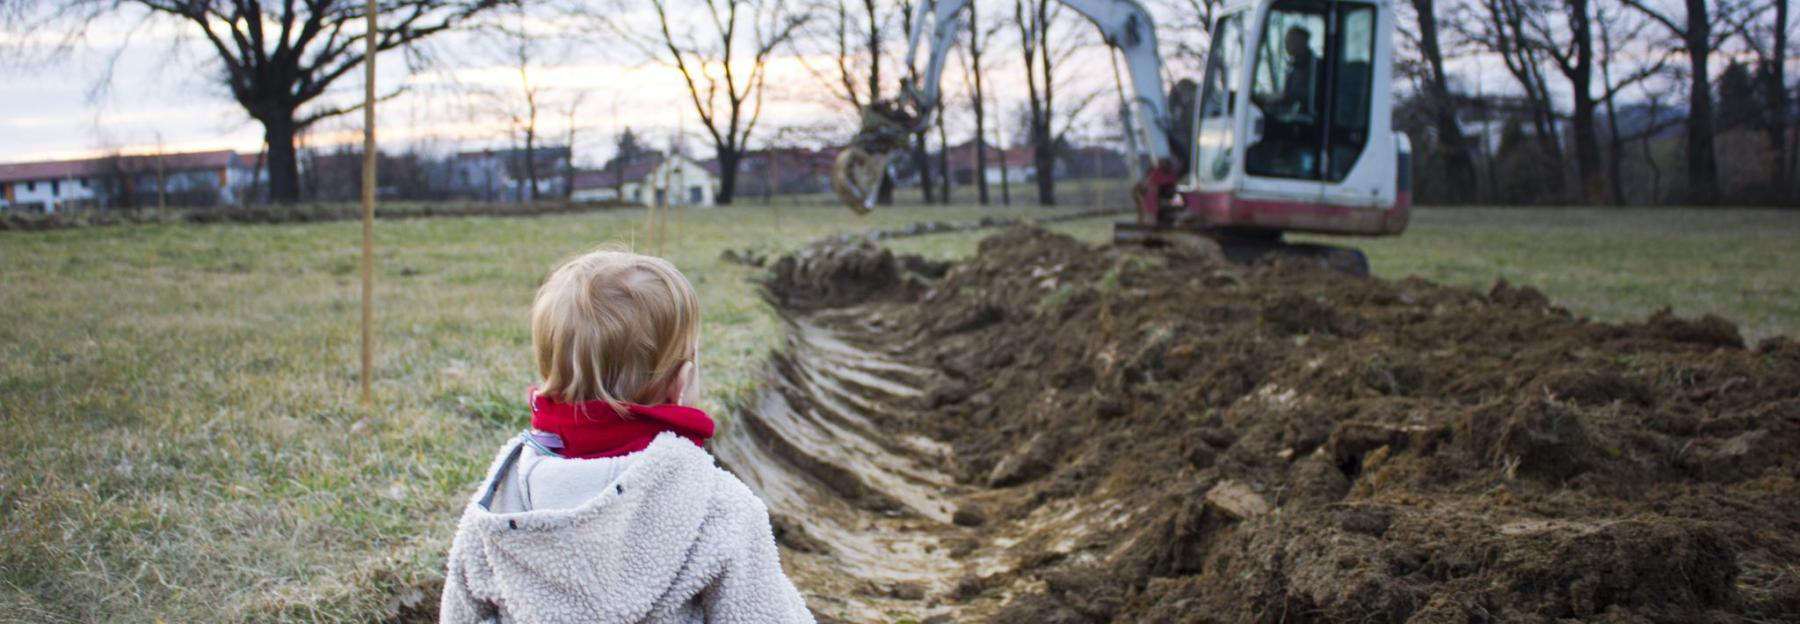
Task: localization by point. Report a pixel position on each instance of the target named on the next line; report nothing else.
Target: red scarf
(593, 429)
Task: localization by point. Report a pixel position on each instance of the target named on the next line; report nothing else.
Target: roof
(145, 163)
(634, 171)
(516, 153)
(963, 156)
(789, 158)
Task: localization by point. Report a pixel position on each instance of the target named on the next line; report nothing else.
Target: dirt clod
(969, 516)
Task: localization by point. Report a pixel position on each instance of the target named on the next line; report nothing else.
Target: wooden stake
(368, 206)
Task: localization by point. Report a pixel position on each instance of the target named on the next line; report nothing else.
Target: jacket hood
(616, 554)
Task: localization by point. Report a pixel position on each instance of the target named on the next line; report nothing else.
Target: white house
(187, 179)
(659, 180)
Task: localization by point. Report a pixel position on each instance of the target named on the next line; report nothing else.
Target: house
(655, 179)
(1014, 165)
(183, 179)
(785, 171)
(503, 175)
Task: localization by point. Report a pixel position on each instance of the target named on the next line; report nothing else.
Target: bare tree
(571, 113)
(919, 149)
(1562, 30)
(277, 58)
(1033, 18)
(722, 48)
(943, 158)
(1771, 77)
(854, 40)
(1000, 146)
(1500, 26)
(1453, 147)
(523, 49)
(972, 74)
(1621, 38)
(1187, 28)
(1697, 33)
(858, 38)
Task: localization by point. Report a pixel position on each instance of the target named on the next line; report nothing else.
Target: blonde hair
(613, 326)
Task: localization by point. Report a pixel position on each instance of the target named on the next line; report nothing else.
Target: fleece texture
(674, 539)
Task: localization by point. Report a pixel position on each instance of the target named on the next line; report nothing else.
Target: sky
(147, 86)
(142, 86)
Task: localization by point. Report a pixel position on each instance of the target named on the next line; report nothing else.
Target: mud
(1053, 432)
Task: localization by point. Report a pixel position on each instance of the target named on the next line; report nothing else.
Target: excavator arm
(887, 125)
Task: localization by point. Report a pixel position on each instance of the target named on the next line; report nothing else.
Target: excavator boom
(888, 125)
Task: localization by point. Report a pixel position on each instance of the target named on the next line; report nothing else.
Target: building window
(56, 187)
(31, 187)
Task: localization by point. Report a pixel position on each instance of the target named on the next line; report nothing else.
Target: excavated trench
(864, 512)
(1053, 432)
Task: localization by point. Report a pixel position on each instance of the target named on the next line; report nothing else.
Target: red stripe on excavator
(1222, 209)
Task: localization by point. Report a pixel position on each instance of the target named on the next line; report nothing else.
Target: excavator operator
(1296, 90)
(1291, 126)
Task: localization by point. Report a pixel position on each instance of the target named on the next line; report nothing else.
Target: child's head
(617, 327)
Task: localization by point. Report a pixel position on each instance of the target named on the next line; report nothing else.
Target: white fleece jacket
(673, 539)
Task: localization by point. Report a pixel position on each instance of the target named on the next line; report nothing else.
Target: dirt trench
(1054, 432)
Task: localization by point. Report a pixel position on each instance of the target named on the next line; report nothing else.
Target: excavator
(1290, 129)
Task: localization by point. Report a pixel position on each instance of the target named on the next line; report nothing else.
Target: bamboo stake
(368, 206)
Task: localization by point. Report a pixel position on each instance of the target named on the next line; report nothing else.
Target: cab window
(1310, 90)
(1217, 123)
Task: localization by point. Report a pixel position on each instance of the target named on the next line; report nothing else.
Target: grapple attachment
(857, 173)
(856, 176)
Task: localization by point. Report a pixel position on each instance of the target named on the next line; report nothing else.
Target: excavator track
(1243, 246)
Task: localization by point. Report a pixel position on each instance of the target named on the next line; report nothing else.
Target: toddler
(608, 509)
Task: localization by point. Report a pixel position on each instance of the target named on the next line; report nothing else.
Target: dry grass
(181, 438)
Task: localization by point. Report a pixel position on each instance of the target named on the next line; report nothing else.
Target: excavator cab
(1293, 127)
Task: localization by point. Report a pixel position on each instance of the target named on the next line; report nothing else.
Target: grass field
(181, 438)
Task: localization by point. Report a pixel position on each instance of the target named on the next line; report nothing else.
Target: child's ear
(684, 379)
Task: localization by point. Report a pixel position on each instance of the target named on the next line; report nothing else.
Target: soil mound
(1158, 436)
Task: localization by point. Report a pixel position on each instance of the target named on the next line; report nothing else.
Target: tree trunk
(981, 184)
(999, 145)
(921, 158)
(1793, 165)
(1044, 159)
(1702, 161)
(728, 173)
(1587, 146)
(943, 159)
(531, 176)
(284, 167)
(1615, 151)
(568, 191)
(1453, 147)
(1776, 89)
(1046, 149)
(884, 193)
